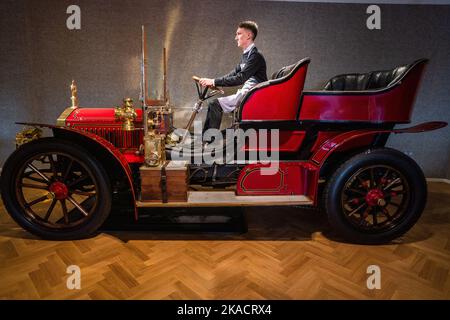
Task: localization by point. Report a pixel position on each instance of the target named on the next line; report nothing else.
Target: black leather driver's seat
(283, 72)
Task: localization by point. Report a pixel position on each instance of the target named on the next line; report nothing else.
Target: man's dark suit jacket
(254, 66)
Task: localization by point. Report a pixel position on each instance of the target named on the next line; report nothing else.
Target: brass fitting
(154, 149)
(74, 97)
(126, 113)
(27, 135)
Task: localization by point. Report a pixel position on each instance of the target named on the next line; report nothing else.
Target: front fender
(340, 141)
(100, 144)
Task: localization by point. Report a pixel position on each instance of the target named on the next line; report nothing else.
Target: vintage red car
(331, 148)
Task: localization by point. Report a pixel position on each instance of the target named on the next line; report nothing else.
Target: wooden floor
(287, 253)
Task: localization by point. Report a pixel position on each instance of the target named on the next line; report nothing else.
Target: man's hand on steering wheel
(205, 88)
(206, 82)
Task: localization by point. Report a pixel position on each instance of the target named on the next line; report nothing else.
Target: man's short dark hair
(250, 25)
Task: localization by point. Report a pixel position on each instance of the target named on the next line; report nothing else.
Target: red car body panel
(277, 101)
(102, 122)
(323, 136)
(289, 141)
(84, 117)
(290, 178)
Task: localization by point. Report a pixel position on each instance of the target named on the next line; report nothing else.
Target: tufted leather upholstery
(278, 77)
(365, 81)
(283, 72)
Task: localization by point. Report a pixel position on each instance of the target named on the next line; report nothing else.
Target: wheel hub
(375, 197)
(59, 190)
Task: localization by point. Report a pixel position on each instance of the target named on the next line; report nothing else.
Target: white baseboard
(438, 180)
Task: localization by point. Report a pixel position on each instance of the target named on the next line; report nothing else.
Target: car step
(229, 199)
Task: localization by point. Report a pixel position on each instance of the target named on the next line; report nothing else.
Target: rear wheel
(376, 196)
(56, 190)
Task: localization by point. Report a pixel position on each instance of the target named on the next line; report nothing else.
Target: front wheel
(376, 196)
(56, 190)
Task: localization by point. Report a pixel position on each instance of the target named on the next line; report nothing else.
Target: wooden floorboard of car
(228, 198)
(287, 253)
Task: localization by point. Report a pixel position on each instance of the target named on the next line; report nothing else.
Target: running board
(229, 199)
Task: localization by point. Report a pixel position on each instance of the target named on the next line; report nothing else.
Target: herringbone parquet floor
(287, 253)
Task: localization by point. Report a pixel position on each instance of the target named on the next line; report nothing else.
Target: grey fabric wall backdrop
(39, 56)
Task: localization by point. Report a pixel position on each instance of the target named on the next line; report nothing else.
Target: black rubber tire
(19, 157)
(383, 156)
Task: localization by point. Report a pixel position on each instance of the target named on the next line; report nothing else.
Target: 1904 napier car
(331, 146)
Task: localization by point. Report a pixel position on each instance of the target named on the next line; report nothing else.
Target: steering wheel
(203, 93)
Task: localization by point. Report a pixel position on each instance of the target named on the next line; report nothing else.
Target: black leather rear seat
(365, 81)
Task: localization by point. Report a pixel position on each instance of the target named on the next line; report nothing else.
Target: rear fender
(343, 141)
(101, 147)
